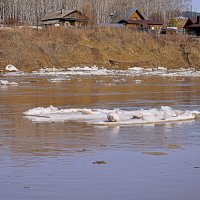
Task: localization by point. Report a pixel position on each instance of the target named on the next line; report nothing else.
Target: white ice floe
(53, 69)
(59, 79)
(138, 81)
(102, 116)
(5, 82)
(11, 68)
(162, 68)
(134, 71)
(73, 71)
(86, 68)
(101, 71)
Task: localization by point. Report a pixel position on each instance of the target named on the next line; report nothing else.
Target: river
(73, 160)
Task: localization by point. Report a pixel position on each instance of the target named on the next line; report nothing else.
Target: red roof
(193, 22)
(193, 26)
(144, 23)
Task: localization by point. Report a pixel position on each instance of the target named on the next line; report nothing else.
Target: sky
(196, 5)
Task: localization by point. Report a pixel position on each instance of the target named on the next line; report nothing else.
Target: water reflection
(19, 136)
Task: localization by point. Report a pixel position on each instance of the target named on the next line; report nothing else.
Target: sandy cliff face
(113, 48)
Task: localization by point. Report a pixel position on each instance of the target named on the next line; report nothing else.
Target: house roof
(50, 22)
(193, 26)
(144, 23)
(154, 22)
(131, 11)
(57, 15)
(192, 22)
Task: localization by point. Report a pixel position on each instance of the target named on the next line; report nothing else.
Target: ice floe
(137, 81)
(59, 79)
(49, 70)
(5, 82)
(85, 68)
(101, 71)
(134, 71)
(73, 71)
(105, 117)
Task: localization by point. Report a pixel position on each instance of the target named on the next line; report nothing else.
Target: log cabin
(135, 20)
(65, 18)
(192, 26)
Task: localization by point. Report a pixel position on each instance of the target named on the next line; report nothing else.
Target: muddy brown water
(60, 160)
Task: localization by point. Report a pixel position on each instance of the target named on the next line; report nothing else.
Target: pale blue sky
(196, 5)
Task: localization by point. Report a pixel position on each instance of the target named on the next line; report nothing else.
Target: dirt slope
(113, 48)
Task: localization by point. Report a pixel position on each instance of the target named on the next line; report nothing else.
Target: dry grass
(117, 48)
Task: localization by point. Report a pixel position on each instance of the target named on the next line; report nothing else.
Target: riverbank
(29, 49)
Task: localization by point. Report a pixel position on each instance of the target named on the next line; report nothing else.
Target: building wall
(135, 16)
(155, 27)
(193, 31)
(134, 26)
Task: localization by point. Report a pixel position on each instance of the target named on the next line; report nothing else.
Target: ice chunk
(5, 82)
(162, 68)
(53, 69)
(136, 68)
(112, 117)
(86, 68)
(59, 79)
(138, 81)
(11, 68)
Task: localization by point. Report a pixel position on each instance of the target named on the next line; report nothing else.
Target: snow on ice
(102, 116)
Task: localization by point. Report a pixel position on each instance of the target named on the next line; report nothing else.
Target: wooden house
(65, 18)
(192, 26)
(135, 20)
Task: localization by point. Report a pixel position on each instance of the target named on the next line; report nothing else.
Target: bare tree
(101, 11)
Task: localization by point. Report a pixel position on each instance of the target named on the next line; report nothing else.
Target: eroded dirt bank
(112, 48)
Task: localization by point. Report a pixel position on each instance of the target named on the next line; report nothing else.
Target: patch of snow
(104, 117)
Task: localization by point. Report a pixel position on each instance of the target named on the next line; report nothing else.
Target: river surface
(57, 160)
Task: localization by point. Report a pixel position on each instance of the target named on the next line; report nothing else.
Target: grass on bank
(30, 49)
